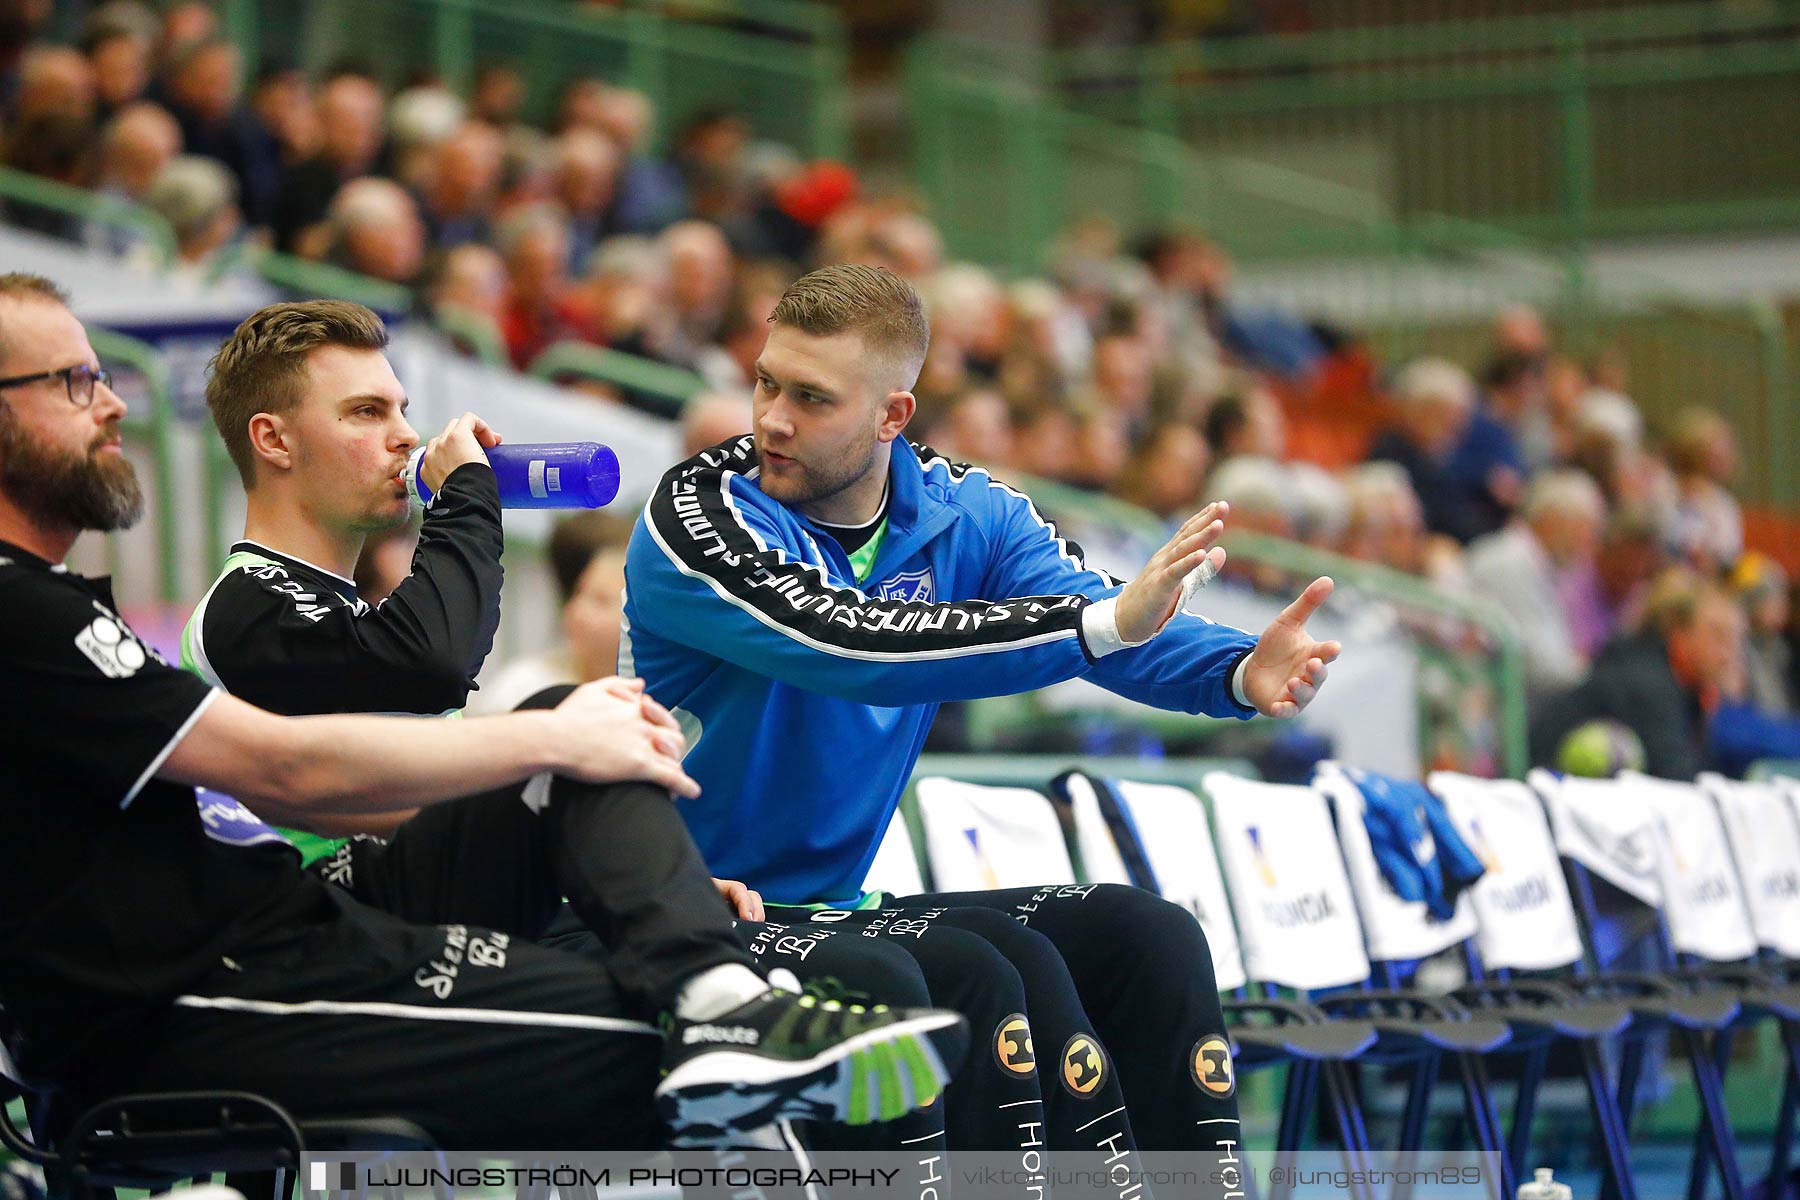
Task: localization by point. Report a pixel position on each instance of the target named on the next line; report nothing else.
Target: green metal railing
(156, 421)
(218, 479)
(1774, 768)
(1502, 655)
(157, 424)
(474, 333)
(1619, 122)
(139, 221)
(114, 212)
(1736, 358)
(316, 280)
(784, 64)
(1427, 42)
(1006, 168)
(664, 385)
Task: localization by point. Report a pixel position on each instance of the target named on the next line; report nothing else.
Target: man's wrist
(462, 469)
(1238, 672)
(540, 742)
(1100, 629)
(481, 483)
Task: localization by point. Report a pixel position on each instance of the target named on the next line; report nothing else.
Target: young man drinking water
(314, 418)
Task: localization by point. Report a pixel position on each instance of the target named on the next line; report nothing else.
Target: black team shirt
(294, 638)
(113, 898)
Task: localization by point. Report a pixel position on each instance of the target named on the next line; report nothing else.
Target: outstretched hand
(1147, 602)
(1287, 667)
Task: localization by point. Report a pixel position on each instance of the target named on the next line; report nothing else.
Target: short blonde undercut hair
(871, 301)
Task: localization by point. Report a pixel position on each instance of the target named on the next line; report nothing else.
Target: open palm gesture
(1287, 667)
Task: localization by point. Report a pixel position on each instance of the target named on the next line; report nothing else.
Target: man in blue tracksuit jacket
(806, 596)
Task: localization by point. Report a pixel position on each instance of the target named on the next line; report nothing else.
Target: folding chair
(1763, 831)
(1298, 923)
(1709, 924)
(1399, 934)
(980, 838)
(896, 866)
(1526, 945)
(991, 837)
(1163, 830)
(1621, 835)
(1788, 786)
(157, 1140)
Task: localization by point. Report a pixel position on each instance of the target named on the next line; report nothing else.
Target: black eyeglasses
(79, 380)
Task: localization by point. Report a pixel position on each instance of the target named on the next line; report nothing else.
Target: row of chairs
(1319, 955)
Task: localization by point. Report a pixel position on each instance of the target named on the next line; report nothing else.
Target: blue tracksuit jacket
(806, 696)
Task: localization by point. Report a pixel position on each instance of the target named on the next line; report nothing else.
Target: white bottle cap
(420, 494)
(1545, 1187)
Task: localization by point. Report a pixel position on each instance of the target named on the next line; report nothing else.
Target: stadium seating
(1603, 832)
(1525, 953)
(979, 837)
(1375, 251)
(896, 866)
(1402, 933)
(1156, 836)
(1730, 931)
(961, 820)
(1268, 1031)
(1708, 939)
(1764, 836)
(1299, 926)
(1163, 829)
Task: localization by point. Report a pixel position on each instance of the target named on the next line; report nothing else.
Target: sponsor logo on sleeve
(1083, 1066)
(1012, 1046)
(224, 819)
(111, 647)
(1210, 1064)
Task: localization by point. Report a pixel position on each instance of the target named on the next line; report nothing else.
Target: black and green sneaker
(788, 1057)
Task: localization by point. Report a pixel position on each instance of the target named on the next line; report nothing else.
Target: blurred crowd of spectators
(1529, 479)
(1130, 368)
(571, 230)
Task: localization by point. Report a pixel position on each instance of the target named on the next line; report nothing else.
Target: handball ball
(1600, 749)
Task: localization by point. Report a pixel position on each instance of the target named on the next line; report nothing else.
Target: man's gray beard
(66, 491)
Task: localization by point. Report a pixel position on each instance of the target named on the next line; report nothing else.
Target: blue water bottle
(541, 475)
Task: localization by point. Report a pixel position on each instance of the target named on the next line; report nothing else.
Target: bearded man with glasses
(54, 478)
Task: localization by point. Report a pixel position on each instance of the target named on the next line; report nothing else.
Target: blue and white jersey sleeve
(717, 566)
(1185, 668)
